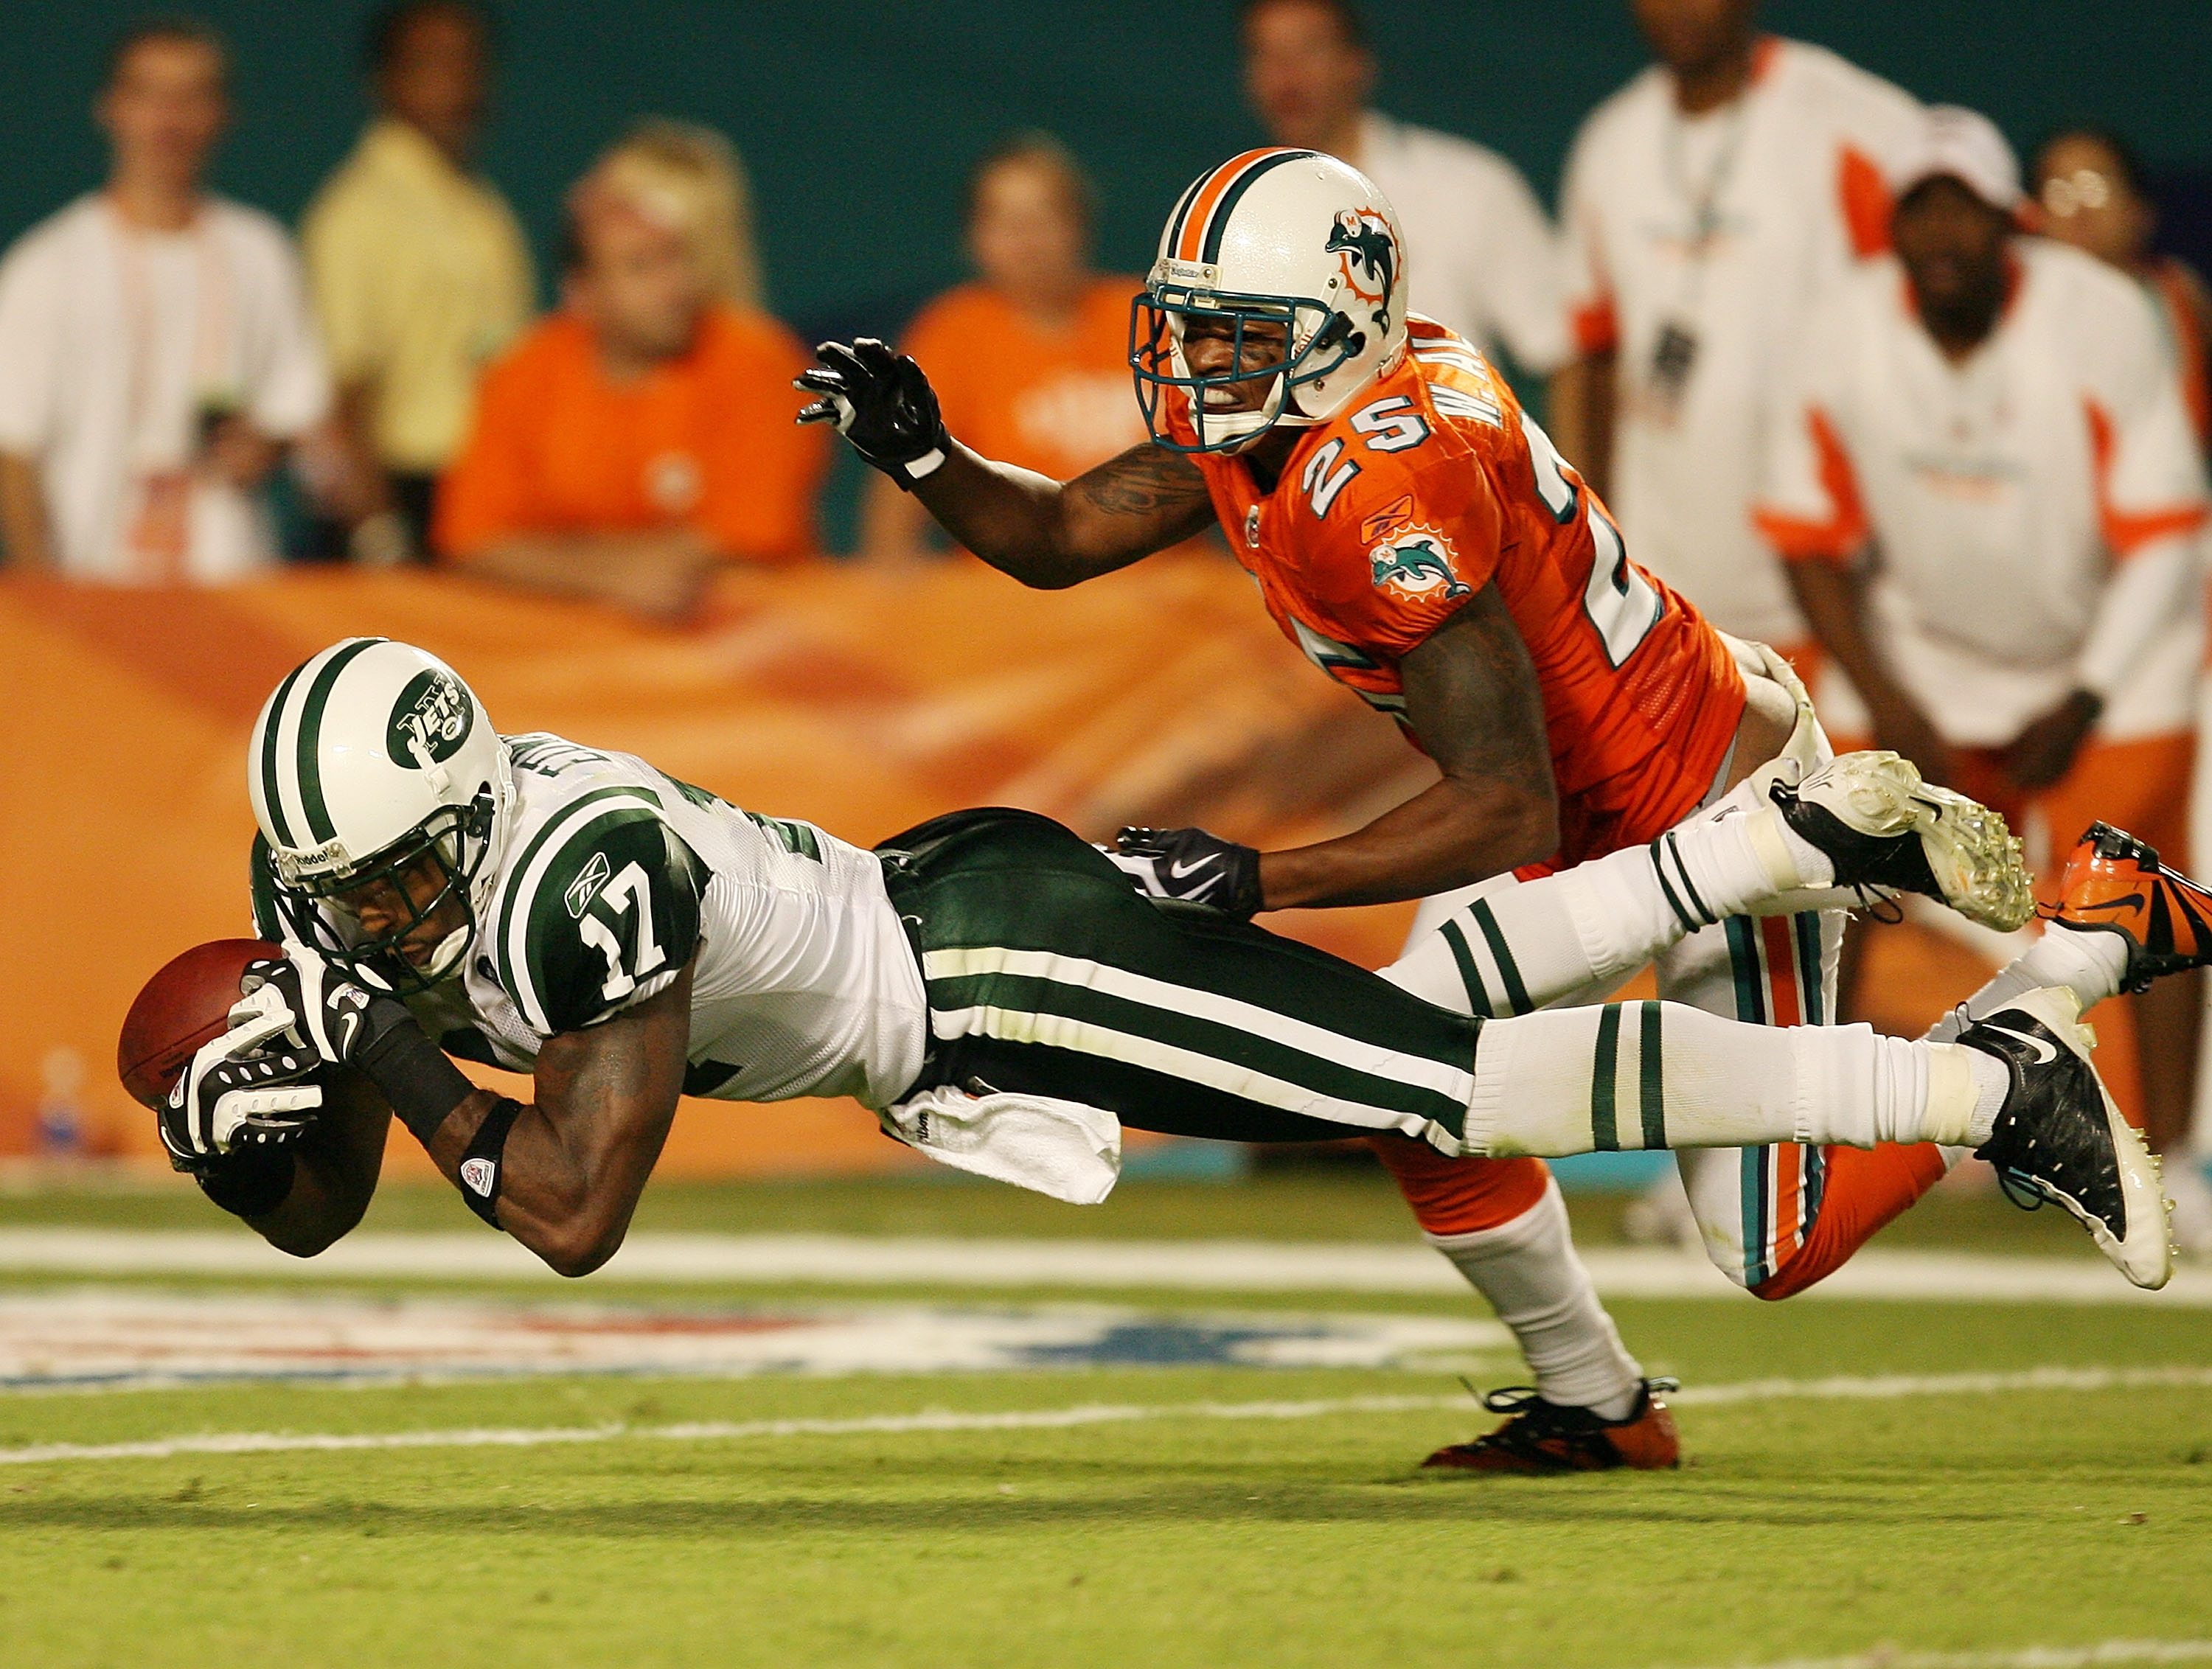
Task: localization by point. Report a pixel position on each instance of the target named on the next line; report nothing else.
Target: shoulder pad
(600, 910)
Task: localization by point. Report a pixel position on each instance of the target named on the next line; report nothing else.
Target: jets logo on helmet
(1292, 241)
(430, 720)
(372, 763)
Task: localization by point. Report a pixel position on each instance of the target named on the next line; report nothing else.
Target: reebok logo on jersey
(478, 1176)
(586, 886)
(1417, 564)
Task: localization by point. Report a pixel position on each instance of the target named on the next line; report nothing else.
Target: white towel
(1063, 1149)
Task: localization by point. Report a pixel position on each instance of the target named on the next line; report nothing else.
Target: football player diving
(1418, 537)
(441, 890)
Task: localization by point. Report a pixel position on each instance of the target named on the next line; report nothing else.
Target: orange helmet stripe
(1189, 236)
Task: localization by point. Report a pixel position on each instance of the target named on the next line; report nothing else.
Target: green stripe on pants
(1007, 881)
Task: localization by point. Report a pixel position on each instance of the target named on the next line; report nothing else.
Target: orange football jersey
(1390, 516)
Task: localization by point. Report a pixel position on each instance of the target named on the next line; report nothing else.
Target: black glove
(1191, 867)
(330, 1014)
(881, 403)
(223, 1103)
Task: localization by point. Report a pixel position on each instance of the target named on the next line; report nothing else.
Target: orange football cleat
(2114, 883)
(1545, 1437)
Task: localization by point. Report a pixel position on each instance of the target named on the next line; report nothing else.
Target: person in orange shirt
(641, 437)
(1034, 351)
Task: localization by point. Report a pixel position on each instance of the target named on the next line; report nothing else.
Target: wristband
(481, 1164)
(249, 1182)
(422, 1086)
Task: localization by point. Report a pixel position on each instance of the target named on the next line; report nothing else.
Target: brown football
(182, 1007)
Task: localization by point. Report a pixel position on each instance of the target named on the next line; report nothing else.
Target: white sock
(2089, 964)
(1528, 1270)
(1737, 858)
(1649, 1075)
(1992, 1083)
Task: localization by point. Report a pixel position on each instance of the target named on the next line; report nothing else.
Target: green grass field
(1184, 1526)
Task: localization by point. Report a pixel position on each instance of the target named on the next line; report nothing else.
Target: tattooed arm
(1051, 534)
(1472, 697)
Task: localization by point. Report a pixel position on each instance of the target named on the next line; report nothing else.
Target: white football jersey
(603, 873)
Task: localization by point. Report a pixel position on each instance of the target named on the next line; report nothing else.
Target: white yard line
(2027, 1657)
(1089, 1414)
(1183, 1265)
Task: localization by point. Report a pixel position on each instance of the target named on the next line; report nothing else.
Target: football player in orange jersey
(1419, 538)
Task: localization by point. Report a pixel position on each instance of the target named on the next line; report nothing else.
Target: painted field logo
(1417, 563)
(429, 721)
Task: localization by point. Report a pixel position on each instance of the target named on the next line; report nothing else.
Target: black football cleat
(2059, 1138)
(1548, 1437)
(2114, 883)
(1883, 827)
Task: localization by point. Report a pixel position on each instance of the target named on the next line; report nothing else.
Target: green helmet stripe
(1222, 210)
(320, 826)
(272, 794)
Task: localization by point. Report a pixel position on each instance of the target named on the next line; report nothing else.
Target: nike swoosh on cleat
(2044, 1052)
(2129, 901)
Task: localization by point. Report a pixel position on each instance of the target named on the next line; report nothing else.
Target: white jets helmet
(1292, 238)
(373, 759)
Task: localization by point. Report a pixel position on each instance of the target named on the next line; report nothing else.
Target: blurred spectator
(1480, 254)
(642, 436)
(419, 272)
(1989, 498)
(2089, 192)
(1706, 205)
(156, 353)
(1029, 362)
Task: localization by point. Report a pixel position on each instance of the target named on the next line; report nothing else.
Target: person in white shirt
(1988, 495)
(1705, 206)
(1480, 255)
(156, 355)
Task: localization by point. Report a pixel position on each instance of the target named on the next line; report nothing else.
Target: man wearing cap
(1986, 492)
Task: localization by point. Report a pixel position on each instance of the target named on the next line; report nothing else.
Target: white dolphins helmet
(1284, 237)
(370, 759)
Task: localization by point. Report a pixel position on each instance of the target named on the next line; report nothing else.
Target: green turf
(1803, 1529)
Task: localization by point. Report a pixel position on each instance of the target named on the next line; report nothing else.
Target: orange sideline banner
(861, 700)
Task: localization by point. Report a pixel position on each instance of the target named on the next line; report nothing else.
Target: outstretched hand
(881, 402)
(1190, 866)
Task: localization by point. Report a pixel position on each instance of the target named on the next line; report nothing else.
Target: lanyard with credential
(159, 534)
(1674, 355)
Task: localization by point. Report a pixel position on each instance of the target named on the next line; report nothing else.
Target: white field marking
(1086, 1414)
(2026, 1657)
(132, 1338)
(1180, 1265)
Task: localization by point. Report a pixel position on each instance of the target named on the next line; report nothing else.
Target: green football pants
(1047, 974)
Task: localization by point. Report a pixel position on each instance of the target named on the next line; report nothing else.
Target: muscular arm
(576, 1160)
(660, 575)
(334, 1168)
(1582, 418)
(1833, 596)
(1473, 698)
(1051, 535)
(23, 527)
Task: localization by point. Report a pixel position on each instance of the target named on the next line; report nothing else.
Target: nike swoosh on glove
(881, 402)
(225, 1100)
(325, 1011)
(1190, 866)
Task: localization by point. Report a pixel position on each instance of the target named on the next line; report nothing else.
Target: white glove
(232, 1095)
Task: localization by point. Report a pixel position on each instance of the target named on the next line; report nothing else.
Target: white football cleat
(1883, 827)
